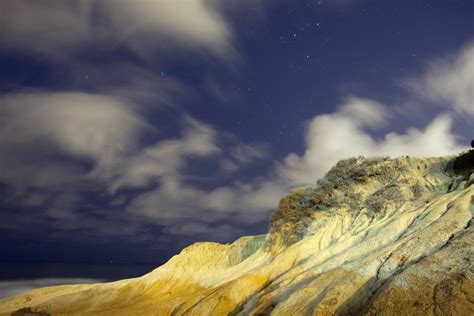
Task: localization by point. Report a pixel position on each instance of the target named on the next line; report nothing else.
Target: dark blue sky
(131, 129)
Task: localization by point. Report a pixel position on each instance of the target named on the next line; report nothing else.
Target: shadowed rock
(464, 163)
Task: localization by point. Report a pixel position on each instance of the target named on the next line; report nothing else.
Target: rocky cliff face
(375, 236)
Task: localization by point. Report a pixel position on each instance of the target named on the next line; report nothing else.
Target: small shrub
(417, 191)
(377, 200)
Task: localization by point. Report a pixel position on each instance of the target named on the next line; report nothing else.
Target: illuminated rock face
(374, 237)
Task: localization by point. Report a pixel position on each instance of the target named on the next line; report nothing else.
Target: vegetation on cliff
(369, 185)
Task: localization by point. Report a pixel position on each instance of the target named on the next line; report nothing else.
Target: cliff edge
(374, 236)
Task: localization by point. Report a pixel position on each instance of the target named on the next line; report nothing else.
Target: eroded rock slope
(375, 236)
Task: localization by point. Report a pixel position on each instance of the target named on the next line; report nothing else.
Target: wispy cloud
(449, 81)
(100, 137)
(97, 128)
(172, 198)
(166, 159)
(343, 134)
(447, 85)
(59, 148)
(57, 28)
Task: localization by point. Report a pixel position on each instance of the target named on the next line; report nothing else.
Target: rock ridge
(375, 236)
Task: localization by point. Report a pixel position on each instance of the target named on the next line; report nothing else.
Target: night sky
(130, 129)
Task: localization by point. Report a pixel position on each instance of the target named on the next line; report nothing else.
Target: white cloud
(449, 80)
(100, 132)
(245, 153)
(105, 132)
(174, 201)
(57, 28)
(163, 166)
(42, 125)
(166, 159)
(249, 198)
(192, 23)
(364, 112)
(343, 134)
(171, 201)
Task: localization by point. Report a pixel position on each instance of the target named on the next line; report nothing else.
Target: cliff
(374, 236)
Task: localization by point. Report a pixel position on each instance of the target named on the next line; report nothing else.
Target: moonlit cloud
(343, 134)
(100, 135)
(83, 126)
(137, 21)
(61, 150)
(93, 140)
(248, 153)
(174, 199)
(449, 81)
(166, 159)
(58, 28)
